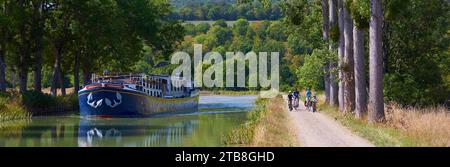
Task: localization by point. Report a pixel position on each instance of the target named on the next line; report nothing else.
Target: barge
(137, 95)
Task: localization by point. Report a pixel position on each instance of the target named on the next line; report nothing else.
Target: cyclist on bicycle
(290, 97)
(296, 98)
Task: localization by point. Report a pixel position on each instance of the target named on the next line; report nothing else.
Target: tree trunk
(341, 52)
(13, 79)
(2, 70)
(76, 71)
(2, 52)
(38, 34)
(376, 99)
(87, 76)
(360, 75)
(37, 72)
(325, 29)
(24, 53)
(56, 72)
(333, 47)
(61, 82)
(349, 88)
(23, 79)
(23, 69)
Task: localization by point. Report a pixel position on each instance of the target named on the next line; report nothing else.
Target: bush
(34, 99)
(405, 89)
(39, 103)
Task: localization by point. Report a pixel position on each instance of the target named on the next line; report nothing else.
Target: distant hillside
(181, 3)
(210, 10)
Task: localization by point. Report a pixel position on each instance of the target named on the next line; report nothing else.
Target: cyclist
(314, 103)
(290, 97)
(308, 98)
(296, 99)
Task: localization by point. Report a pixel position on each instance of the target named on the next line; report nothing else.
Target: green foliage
(235, 39)
(38, 102)
(295, 11)
(202, 28)
(311, 73)
(276, 31)
(218, 36)
(190, 29)
(33, 99)
(360, 11)
(228, 11)
(241, 27)
(221, 23)
(334, 33)
(304, 20)
(417, 46)
(298, 45)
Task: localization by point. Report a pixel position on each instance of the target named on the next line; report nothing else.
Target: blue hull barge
(136, 95)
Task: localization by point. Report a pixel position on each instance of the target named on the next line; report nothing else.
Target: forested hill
(181, 3)
(230, 10)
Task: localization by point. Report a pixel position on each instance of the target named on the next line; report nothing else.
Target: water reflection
(217, 116)
(136, 133)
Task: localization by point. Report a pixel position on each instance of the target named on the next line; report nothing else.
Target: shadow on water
(217, 115)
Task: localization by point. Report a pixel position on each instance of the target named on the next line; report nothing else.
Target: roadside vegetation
(267, 126)
(403, 127)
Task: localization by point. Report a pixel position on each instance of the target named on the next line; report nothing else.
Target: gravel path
(319, 130)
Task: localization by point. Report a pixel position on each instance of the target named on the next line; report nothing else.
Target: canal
(216, 117)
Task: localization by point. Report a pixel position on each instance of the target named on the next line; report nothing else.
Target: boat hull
(121, 103)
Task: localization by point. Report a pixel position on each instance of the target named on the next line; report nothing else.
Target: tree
(376, 99)
(334, 39)
(325, 33)
(276, 31)
(202, 28)
(360, 14)
(297, 45)
(221, 23)
(4, 20)
(240, 27)
(37, 35)
(22, 14)
(348, 68)
(416, 34)
(59, 35)
(309, 76)
(341, 52)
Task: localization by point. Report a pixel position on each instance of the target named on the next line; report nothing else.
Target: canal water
(216, 117)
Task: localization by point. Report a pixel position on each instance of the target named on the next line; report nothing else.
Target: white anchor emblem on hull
(91, 102)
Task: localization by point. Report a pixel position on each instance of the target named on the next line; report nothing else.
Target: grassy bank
(21, 106)
(11, 108)
(229, 92)
(403, 126)
(267, 126)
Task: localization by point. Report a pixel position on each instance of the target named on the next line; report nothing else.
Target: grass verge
(404, 127)
(267, 126)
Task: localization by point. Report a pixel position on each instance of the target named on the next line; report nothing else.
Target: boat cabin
(163, 86)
